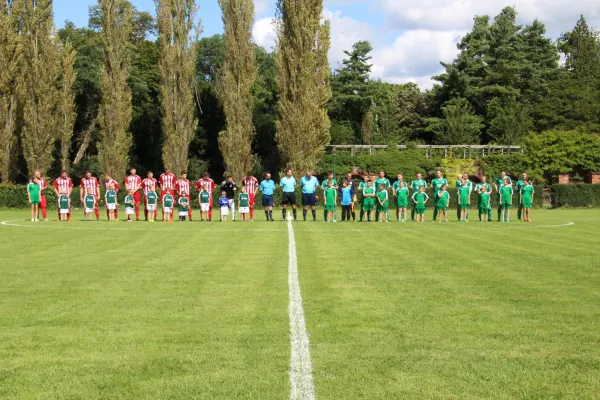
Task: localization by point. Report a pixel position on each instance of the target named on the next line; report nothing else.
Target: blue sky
(410, 37)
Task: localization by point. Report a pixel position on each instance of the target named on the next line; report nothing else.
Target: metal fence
(444, 151)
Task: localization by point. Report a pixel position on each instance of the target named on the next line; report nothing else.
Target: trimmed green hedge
(15, 196)
(578, 195)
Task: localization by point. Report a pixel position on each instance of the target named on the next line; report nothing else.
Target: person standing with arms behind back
(43, 186)
(182, 188)
(437, 184)
(107, 184)
(416, 185)
(209, 186)
(64, 185)
(288, 186)
(133, 184)
(33, 194)
(167, 185)
(520, 185)
(90, 186)
(267, 187)
(147, 183)
(309, 184)
(251, 185)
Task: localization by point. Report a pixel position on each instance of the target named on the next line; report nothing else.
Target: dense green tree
(459, 124)
(510, 120)
(66, 107)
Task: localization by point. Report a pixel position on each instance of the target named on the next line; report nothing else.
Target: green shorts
(506, 206)
(369, 205)
(442, 208)
(35, 201)
(484, 210)
(526, 204)
(402, 203)
(382, 209)
(420, 210)
(464, 206)
(329, 207)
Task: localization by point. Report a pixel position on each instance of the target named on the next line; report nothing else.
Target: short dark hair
(149, 172)
(205, 174)
(64, 171)
(503, 170)
(184, 172)
(229, 176)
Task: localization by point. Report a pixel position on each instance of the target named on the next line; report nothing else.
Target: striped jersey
(182, 186)
(167, 181)
(251, 184)
(147, 184)
(210, 185)
(63, 184)
(90, 186)
(113, 182)
(133, 182)
(43, 185)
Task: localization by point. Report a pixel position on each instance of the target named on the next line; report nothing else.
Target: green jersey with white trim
(416, 184)
(151, 198)
(437, 184)
(382, 181)
(244, 199)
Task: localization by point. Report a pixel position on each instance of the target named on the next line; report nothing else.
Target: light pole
(334, 160)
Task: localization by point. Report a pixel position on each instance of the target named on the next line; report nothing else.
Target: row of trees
(123, 75)
(131, 89)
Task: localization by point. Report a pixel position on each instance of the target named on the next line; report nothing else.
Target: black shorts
(289, 198)
(267, 200)
(309, 199)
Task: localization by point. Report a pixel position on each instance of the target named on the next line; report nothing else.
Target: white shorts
(224, 211)
(183, 213)
(167, 209)
(244, 210)
(89, 210)
(151, 207)
(111, 206)
(64, 211)
(205, 207)
(129, 211)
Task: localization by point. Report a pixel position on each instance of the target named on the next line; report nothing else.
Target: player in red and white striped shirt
(43, 186)
(251, 184)
(63, 184)
(90, 185)
(182, 188)
(167, 185)
(210, 187)
(110, 181)
(133, 183)
(148, 183)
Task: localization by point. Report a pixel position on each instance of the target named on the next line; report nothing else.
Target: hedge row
(578, 195)
(15, 196)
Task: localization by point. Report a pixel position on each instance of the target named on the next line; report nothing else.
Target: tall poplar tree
(39, 87)
(67, 112)
(178, 36)
(10, 52)
(303, 83)
(115, 107)
(234, 87)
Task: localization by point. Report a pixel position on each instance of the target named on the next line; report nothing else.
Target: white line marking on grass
(301, 380)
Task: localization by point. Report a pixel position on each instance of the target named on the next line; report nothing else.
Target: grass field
(394, 311)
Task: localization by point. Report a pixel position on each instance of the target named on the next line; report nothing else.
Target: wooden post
(352, 151)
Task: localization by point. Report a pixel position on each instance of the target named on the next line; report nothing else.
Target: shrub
(578, 195)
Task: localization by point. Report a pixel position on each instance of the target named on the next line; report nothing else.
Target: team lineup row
(373, 196)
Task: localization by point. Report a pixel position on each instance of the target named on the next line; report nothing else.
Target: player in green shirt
(416, 186)
(330, 195)
(369, 202)
(484, 188)
(151, 204)
(443, 202)
(362, 186)
(382, 203)
(110, 199)
(483, 200)
(33, 194)
(167, 202)
(526, 199)
(498, 183)
(184, 206)
(506, 194)
(324, 185)
(64, 206)
(437, 184)
(464, 199)
(89, 202)
(519, 186)
(244, 203)
(419, 200)
(204, 200)
(129, 205)
(401, 192)
(458, 185)
(381, 180)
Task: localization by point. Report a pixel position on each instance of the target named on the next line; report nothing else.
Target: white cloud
(444, 15)
(344, 33)
(415, 56)
(264, 33)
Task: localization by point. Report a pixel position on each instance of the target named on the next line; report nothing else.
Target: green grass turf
(394, 311)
